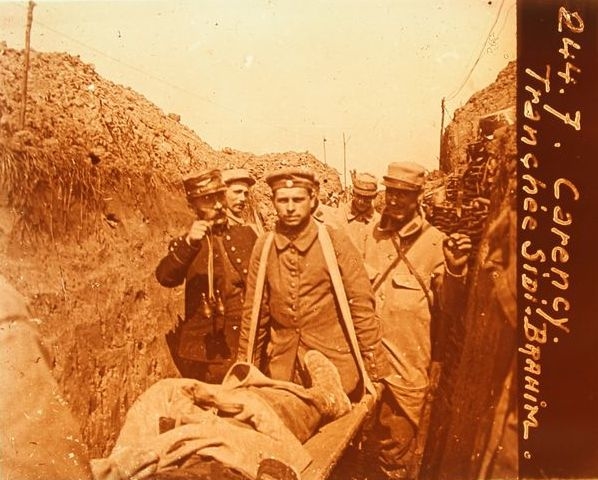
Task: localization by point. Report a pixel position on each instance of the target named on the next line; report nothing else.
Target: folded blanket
(230, 423)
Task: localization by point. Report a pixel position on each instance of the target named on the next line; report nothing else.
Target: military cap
(405, 176)
(291, 177)
(237, 175)
(198, 184)
(365, 184)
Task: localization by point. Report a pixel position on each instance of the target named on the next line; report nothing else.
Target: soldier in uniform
(325, 214)
(299, 311)
(413, 268)
(238, 184)
(361, 213)
(212, 259)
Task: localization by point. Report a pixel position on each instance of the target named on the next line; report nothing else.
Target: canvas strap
(257, 296)
(341, 296)
(335, 276)
(403, 256)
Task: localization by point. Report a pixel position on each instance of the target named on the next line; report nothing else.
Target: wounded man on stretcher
(247, 424)
(247, 419)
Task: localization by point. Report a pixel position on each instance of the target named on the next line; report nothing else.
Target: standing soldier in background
(238, 211)
(212, 260)
(361, 214)
(323, 213)
(415, 270)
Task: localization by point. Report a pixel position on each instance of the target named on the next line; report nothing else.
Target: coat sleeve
(264, 316)
(172, 269)
(449, 290)
(362, 304)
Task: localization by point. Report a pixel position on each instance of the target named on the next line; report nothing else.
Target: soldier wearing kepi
(361, 214)
(238, 211)
(299, 311)
(415, 270)
(212, 259)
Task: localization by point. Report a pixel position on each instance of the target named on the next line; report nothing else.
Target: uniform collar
(365, 217)
(302, 240)
(233, 219)
(410, 228)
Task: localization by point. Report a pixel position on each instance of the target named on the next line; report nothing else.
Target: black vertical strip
(558, 243)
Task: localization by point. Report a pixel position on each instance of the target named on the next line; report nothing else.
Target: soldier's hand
(197, 232)
(456, 248)
(379, 386)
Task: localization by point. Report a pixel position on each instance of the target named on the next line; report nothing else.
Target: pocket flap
(405, 280)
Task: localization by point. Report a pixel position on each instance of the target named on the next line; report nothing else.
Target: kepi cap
(237, 175)
(405, 176)
(292, 177)
(205, 182)
(365, 184)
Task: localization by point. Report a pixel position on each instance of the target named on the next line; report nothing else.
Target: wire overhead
(458, 90)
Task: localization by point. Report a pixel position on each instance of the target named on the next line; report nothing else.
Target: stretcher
(328, 444)
(325, 447)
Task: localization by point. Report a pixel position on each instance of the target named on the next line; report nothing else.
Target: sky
(290, 75)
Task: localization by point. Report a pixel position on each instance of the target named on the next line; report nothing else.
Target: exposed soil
(90, 196)
(463, 129)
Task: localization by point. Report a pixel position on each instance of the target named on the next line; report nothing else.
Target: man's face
(236, 197)
(361, 203)
(401, 204)
(209, 207)
(293, 206)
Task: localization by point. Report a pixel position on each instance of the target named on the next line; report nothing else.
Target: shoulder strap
(257, 295)
(396, 261)
(403, 256)
(341, 296)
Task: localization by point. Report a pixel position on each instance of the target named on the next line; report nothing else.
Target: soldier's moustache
(397, 214)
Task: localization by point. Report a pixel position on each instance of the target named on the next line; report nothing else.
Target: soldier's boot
(326, 388)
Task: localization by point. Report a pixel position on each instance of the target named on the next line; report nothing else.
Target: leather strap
(396, 261)
(402, 256)
(341, 296)
(257, 296)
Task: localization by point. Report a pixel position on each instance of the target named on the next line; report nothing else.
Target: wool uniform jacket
(299, 310)
(402, 304)
(189, 264)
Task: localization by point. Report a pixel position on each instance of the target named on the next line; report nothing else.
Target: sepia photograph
(298, 240)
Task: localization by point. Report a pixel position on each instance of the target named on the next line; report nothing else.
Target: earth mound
(90, 195)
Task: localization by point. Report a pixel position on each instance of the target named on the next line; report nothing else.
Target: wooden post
(324, 143)
(345, 141)
(26, 70)
(441, 132)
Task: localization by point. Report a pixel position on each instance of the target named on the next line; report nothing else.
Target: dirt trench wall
(103, 315)
(463, 129)
(90, 196)
(470, 416)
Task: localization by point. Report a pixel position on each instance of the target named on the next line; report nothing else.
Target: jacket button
(232, 249)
